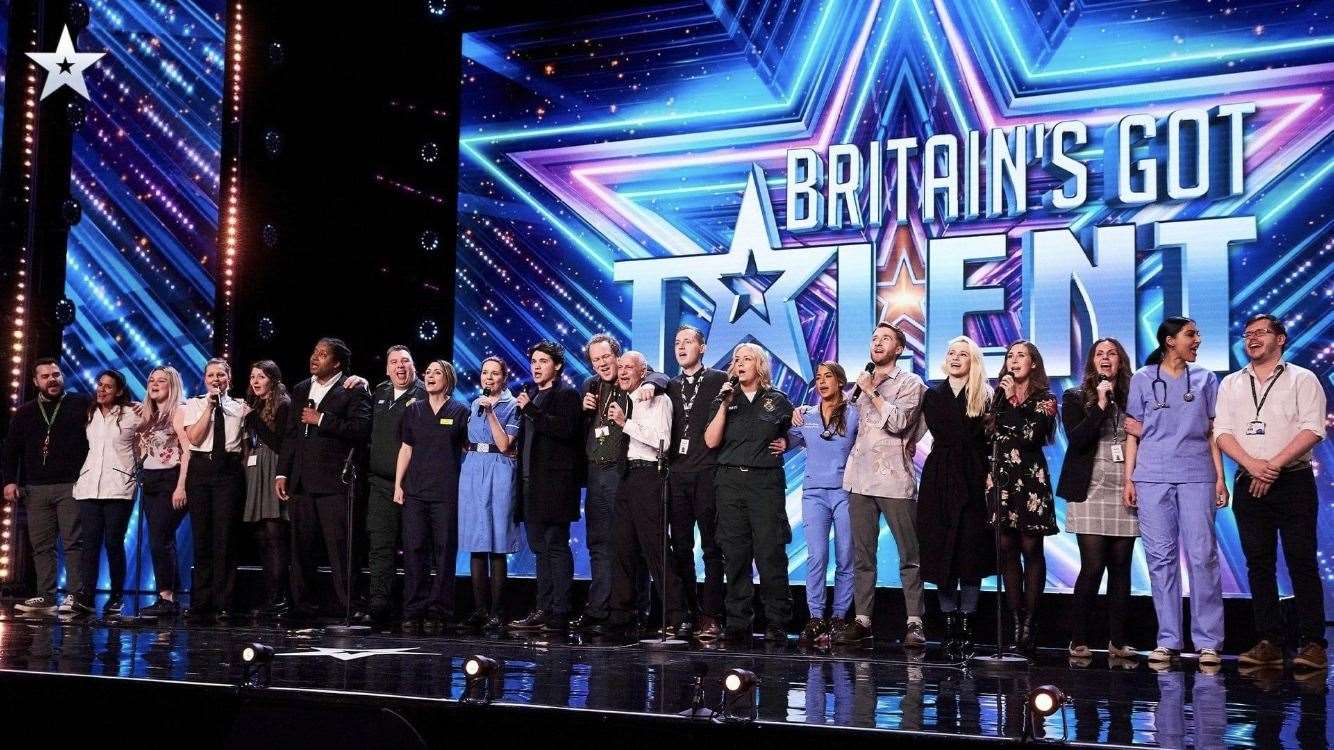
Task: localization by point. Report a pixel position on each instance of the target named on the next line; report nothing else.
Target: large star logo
(352, 654)
(65, 66)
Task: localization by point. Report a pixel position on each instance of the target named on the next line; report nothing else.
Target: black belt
(639, 463)
(747, 468)
(208, 455)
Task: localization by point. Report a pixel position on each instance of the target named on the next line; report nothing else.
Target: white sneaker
(1162, 655)
(1209, 657)
(42, 605)
(67, 606)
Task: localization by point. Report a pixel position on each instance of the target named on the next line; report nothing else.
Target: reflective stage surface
(1124, 702)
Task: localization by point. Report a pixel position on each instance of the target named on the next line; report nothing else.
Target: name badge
(253, 460)
(1118, 455)
(685, 446)
(601, 432)
(1255, 428)
(447, 421)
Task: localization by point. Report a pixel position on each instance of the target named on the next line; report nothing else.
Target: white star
(349, 654)
(65, 67)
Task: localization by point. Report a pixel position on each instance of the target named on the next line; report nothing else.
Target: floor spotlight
(1043, 701)
(256, 665)
(478, 670)
(739, 695)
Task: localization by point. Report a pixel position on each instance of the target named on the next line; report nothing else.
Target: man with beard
(44, 453)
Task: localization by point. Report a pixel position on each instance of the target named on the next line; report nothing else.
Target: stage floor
(885, 688)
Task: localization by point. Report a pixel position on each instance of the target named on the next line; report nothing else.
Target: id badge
(253, 460)
(685, 446)
(601, 432)
(1118, 455)
(1255, 428)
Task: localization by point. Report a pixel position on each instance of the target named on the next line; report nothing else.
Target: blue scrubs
(824, 504)
(1174, 483)
(486, 483)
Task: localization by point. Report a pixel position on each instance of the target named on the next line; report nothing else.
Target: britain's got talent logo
(1192, 154)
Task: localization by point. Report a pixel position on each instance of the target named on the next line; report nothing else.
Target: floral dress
(1025, 486)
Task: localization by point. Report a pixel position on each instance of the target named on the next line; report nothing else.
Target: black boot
(1028, 643)
(951, 642)
(964, 638)
(1018, 618)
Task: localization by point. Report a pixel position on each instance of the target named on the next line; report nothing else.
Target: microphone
(734, 381)
(662, 457)
(310, 404)
(349, 474)
(1103, 378)
(1000, 394)
(857, 390)
(480, 408)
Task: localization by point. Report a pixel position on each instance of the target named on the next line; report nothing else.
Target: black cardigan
(1083, 429)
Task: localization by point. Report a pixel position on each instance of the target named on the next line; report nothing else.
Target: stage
(389, 690)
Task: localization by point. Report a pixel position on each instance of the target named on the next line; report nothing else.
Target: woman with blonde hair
(161, 435)
(957, 545)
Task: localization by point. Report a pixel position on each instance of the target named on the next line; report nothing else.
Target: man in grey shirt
(881, 481)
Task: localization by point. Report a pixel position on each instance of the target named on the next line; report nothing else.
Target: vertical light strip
(231, 224)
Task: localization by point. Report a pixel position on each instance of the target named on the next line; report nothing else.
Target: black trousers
(693, 503)
(430, 537)
(216, 491)
(1289, 511)
(753, 526)
(550, 543)
(637, 536)
(102, 523)
(275, 551)
(384, 518)
(319, 520)
(163, 521)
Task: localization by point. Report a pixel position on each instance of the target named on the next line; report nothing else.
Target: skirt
(261, 502)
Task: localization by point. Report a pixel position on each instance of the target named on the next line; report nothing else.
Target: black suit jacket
(313, 465)
(1083, 429)
(556, 459)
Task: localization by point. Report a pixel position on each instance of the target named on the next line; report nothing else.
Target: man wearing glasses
(1270, 415)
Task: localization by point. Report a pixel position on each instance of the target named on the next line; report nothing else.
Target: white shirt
(231, 422)
(1295, 403)
(108, 471)
(318, 391)
(649, 425)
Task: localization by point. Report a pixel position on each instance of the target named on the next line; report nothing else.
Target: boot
(951, 642)
(1028, 643)
(964, 639)
(1018, 618)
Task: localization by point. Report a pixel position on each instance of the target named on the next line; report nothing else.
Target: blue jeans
(822, 508)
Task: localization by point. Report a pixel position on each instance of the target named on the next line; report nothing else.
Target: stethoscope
(1158, 403)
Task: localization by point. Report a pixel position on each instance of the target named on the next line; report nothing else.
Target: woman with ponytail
(1174, 479)
(827, 431)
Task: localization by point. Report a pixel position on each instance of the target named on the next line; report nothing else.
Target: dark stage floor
(884, 688)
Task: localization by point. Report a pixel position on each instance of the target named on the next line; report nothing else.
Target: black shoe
(113, 608)
(853, 634)
(532, 621)
(1016, 634)
(555, 624)
(493, 623)
(278, 609)
(683, 631)
(964, 635)
(586, 621)
(413, 626)
(950, 643)
(608, 629)
(1027, 641)
(775, 635)
(160, 608)
(475, 621)
(224, 617)
(433, 626)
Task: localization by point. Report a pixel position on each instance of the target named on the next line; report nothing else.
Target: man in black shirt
(44, 452)
(383, 515)
(691, 481)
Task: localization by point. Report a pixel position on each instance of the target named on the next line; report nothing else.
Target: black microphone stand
(662, 641)
(350, 479)
(999, 661)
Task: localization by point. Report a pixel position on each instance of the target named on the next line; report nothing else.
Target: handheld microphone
(480, 409)
(857, 390)
(1000, 394)
(310, 404)
(1103, 378)
(734, 381)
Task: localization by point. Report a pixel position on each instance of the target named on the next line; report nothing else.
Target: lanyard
(688, 402)
(1260, 401)
(50, 423)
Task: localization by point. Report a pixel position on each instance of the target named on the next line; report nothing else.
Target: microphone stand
(350, 479)
(662, 642)
(1000, 661)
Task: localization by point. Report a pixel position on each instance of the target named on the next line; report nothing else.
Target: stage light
(265, 328)
(429, 152)
(65, 312)
(478, 671)
(277, 53)
(429, 240)
(427, 330)
(71, 212)
(738, 693)
(273, 143)
(269, 235)
(229, 229)
(256, 664)
(1045, 700)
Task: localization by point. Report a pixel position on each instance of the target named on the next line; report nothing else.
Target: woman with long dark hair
(1174, 478)
(958, 547)
(1025, 421)
(160, 438)
(827, 431)
(105, 488)
(1092, 481)
(269, 408)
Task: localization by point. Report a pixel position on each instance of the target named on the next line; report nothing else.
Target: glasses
(1256, 334)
